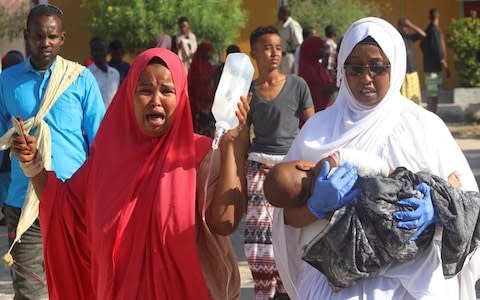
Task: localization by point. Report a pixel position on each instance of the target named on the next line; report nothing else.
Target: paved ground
(468, 137)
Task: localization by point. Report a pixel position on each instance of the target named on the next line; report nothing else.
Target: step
(453, 112)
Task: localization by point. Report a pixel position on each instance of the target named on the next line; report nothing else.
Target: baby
(361, 237)
(290, 184)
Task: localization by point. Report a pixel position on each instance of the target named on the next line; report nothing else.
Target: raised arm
(229, 199)
(415, 28)
(24, 147)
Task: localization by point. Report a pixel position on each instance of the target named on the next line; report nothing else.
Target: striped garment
(258, 236)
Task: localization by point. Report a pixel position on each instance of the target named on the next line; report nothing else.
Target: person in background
(108, 78)
(88, 61)
(186, 42)
(200, 89)
(411, 85)
(116, 59)
(217, 74)
(313, 71)
(13, 57)
(330, 58)
(371, 115)
(434, 59)
(278, 103)
(61, 104)
(163, 41)
(291, 35)
(306, 32)
(136, 221)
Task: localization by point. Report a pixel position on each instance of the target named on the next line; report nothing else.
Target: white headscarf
(347, 122)
(403, 134)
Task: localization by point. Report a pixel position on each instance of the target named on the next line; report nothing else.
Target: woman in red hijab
(200, 89)
(313, 71)
(136, 221)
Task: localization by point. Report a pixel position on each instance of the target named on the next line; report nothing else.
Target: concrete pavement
(471, 148)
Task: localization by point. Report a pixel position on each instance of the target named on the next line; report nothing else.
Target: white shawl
(63, 75)
(403, 134)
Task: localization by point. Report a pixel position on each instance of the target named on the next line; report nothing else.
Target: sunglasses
(373, 70)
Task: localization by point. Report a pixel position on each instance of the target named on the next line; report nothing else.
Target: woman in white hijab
(371, 115)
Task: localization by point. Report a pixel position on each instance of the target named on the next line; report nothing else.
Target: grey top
(275, 122)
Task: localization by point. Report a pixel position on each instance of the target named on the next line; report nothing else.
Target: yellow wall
(260, 12)
(77, 37)
(263, 12)
(417, 12)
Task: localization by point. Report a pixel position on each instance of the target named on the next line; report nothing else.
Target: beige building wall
(76, 46)
(417, 12)
(263, 12)
(17, 42)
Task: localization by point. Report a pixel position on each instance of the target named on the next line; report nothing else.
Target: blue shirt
(73, 119)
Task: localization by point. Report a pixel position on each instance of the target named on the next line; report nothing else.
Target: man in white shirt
(108, 78)
(291, 34)
(186, 42)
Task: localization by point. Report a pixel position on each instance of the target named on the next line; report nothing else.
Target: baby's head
(290, 184)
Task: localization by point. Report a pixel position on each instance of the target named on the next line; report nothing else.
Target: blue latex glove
(423, 214)
(334, 192)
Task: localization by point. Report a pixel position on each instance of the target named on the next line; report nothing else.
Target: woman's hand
(23, 145)
(242, 113)
(230, 198)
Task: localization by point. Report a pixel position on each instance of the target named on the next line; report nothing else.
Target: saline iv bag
(235, 81)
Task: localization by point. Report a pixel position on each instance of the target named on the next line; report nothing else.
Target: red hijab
(135, 238)
(313, 71)
(199, 78)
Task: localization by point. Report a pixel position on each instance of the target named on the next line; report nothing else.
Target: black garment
(410, 39)
(432, 49)
(362, 237)
(5, 163)
(122, 67)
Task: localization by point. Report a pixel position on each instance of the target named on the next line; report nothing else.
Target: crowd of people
(115, 212)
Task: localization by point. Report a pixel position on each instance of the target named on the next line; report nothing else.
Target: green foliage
(463, 36)
(12, 18)
(320, 13)
(137, 22)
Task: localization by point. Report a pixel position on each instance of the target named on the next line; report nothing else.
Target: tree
(463, 36)
(137, 22)
(12, 17)
(320, 13)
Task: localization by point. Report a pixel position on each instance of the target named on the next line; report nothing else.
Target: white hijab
(403, 134)
(349, 124)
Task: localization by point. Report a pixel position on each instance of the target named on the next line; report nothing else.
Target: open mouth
(368, 92)
(155, 119)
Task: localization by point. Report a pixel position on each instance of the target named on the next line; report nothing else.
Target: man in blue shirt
(12, 58)
(72, 121)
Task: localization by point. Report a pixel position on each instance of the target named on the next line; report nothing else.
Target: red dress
(123, 227)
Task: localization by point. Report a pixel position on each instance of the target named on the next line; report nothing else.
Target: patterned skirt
(258, 236)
